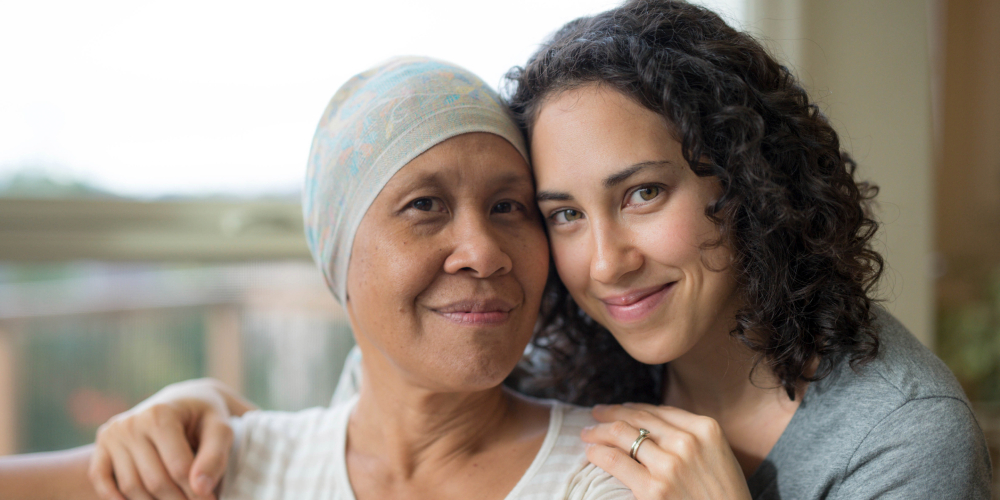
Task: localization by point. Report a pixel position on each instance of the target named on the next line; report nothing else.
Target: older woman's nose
(477, 250)
(613, 255)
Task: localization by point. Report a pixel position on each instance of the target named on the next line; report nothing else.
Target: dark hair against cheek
(791, 211)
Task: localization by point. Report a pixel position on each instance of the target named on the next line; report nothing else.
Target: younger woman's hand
(684, 456)
(173, 446)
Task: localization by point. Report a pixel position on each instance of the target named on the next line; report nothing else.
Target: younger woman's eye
(565, 216)
(644, 194)
(427, 205)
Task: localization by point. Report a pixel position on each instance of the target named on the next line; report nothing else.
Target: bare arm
(53, 475)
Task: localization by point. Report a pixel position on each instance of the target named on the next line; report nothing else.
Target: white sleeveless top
(300, 455)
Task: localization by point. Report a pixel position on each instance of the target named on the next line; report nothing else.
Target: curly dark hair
(797, 221)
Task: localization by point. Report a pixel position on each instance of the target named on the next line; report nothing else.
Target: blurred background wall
(913, 88)
(115, 283)
(867, 65)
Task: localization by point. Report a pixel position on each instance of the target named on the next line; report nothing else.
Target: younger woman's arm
(174, 445)
(53, 475)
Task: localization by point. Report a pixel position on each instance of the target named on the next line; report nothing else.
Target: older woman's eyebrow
(620, 177)
(514, 180)
(438, 180)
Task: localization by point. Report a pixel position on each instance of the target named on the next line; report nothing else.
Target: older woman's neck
(410, 428)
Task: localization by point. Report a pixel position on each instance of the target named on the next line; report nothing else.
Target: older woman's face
(449, 263)
(627, 223)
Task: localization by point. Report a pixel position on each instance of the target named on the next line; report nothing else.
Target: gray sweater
(898, 427)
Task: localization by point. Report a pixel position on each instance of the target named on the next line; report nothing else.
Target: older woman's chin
(466, 368)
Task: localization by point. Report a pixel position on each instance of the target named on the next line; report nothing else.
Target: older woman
(713, 249)
(419, 210)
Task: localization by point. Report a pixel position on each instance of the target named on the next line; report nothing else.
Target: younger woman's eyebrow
(609, 182)
(552, 196)
(620, 177)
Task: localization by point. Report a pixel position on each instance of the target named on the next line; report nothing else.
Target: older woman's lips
(477, 312)
(636, 305)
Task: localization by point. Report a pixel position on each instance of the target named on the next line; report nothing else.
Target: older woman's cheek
(381, 290)
(532, 263)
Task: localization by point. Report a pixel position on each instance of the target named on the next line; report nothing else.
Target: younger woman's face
(627, 224)
(448, 266)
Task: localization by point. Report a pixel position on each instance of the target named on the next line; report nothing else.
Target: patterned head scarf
(374, 125)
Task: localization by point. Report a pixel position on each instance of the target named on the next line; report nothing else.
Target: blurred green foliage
(968, 340)
(77, 372)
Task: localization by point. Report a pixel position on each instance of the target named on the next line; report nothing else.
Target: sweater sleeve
(926, 448)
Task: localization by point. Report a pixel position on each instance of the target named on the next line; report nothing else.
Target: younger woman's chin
(653, 349)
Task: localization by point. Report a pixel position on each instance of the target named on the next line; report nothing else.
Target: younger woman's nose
(613, 255)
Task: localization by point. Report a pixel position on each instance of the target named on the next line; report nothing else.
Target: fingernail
(203, 484)
(589, 427)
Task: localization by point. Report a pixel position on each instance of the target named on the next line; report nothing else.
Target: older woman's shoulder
(279, 454)
(561, 469)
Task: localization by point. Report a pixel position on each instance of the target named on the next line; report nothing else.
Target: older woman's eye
(644, 194)
(427, 205)
(504, 207)
(565, 216)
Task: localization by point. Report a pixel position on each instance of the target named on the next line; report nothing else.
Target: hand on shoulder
(683, 456)
(149, 451)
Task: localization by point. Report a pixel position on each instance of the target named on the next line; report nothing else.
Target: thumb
(214, 443)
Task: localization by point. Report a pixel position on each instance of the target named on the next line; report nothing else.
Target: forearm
(53, 475)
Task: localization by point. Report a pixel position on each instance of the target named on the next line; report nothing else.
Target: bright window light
(192, 98)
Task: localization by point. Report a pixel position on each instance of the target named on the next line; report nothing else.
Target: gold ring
(643, 434)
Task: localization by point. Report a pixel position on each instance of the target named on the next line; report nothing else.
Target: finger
(675, 416)
(215, 443)
(174, 450)
(654, 473)
(670, 422)
(616, 462)
(101, 475)
(623, 436)
(127, 476)
(705, 428)
(610, 413)
(635, 419)
(154, 476)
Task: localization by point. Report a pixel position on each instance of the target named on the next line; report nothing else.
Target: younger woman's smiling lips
(476, 312)
(636, 305)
